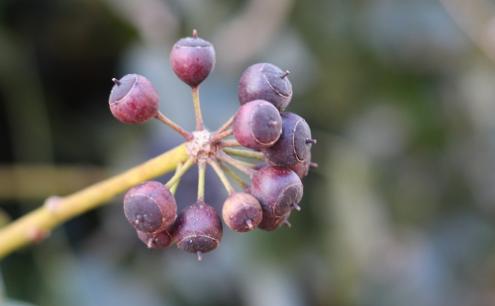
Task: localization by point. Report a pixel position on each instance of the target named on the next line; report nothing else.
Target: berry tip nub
(116, 81)
(200, 257)
(195, 33)
(285, 74)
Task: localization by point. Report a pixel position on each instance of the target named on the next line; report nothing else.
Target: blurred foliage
(400, 211)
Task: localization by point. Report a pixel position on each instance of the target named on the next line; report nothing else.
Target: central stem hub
(200, 147)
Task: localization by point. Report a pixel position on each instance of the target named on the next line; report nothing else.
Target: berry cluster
(278, 142)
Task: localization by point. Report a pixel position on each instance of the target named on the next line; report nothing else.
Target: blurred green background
(400, 95)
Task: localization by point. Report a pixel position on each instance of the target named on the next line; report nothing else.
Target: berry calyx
(294, 145)
(150, 207)
(198, 229)
(241, 212)
(133, 99)
(266, 82)
(257, 125)
(158, 240)
(192, 59)
(278, 189)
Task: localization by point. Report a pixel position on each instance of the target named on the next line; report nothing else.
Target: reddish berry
(294, 145)
(257, 124)
(198, 229)
(150, 207)
(133, 99)
(271, 222)
(301, 168)
(278, 189)
(241, 212)
(266, 82)
(192, 59)
(158, 240)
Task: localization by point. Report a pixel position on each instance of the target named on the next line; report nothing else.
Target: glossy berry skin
(198, 228)
(278, 189)
(301, 168)
(158, 240)
(294, 145)
(264, 81)
(150, 207)
(241, 212)
(257, 125)
(192, 59)
(133, 99)
(271, 222)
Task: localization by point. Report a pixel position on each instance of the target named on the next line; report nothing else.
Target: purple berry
(278, 189)
(294, 145)
(257, 125)
(158, 240)
(198, 228)
(265, 81)
(301, 168)
(241, 212)
(133, 99)
(192, 59)
(271, 222)
(150, 207)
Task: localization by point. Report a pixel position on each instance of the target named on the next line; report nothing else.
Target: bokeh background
(400, 95)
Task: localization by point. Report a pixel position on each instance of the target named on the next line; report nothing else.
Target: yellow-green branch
(39, 223)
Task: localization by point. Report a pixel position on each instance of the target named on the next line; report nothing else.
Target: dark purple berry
(271, 222)
(158, 240)
(301, 168)
(192, 59)
(265, 81)
(294, 145)
(278, 189)
(150, 207)
(257, 124)
(198, 229)
(241, 212)
(133, 99)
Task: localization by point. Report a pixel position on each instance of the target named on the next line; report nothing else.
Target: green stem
(245, 153)
(174, 179)
(201, 180)
(233, 175)
(197, 108)
(221, 176)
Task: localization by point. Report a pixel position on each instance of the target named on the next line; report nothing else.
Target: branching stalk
(197, 108)
(245, 153)
(39, 223)
(221, 176)
(201, 180)
(160, 116)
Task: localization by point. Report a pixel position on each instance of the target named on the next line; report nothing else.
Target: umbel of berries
(263, 148)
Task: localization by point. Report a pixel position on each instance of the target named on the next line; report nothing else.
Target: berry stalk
(197, 108)
(161, 117)
(221, 176)
(176, 177)
(201, 180)
(234, 176)
(245, 153)
(38, 224)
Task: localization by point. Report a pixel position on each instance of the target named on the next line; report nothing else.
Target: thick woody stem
(160, 116)
(41, 221)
